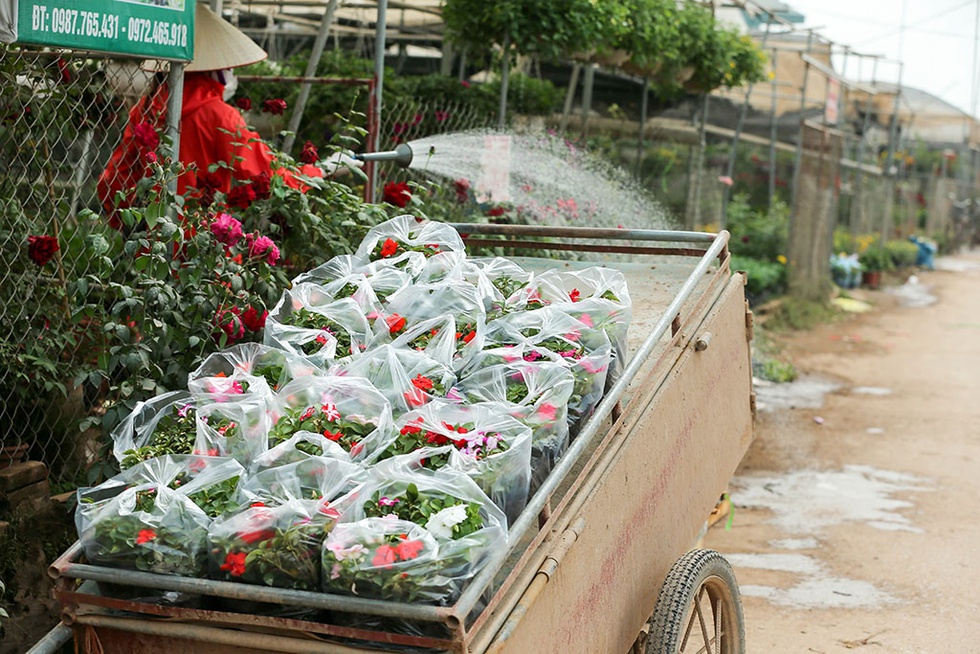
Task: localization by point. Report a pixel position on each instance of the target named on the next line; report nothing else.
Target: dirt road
(857, 523)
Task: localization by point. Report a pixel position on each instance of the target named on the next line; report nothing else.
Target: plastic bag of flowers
(420, 303)
(276, 545)
(405, 242)
(165, 424)
(147, 527)
(307, 322)
(221, 388)
(210, 482)
(406, 377)
(536, 393)
(315, 478)
(446, 503)
(386, 559)
(561, 338)
(343, 276)
(499, 282)
(598, 297)
(299, 447)
(236, 429)
(488, 445)
(347, 410)
(273, 364)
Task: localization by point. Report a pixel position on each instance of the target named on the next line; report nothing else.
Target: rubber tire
(684, 581)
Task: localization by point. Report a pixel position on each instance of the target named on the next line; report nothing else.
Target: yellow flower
(781, 259)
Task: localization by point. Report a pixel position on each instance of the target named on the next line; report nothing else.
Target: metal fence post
(175, 102)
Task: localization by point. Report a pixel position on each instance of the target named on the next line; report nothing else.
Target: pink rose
(227, 229)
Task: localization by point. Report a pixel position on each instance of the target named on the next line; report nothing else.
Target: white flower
(340, 552)
(441, 524)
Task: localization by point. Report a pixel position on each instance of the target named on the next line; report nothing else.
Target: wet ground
(855, 526)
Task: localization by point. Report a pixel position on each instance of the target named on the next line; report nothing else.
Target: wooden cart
(601, 560)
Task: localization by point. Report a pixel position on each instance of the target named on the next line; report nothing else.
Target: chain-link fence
(61, 115)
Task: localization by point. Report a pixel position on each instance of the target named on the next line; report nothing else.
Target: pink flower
(591, 367)
(263, 246)
(441, 115)
(586, 320)
(227, 229)
(548, 411)
(388, 501)
(726, 180)
(330, 412)
(384, 557)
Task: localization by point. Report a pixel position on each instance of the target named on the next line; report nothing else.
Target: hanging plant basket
(612, 58)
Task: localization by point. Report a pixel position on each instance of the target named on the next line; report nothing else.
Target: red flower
(261, 185)
(241, 196)
(395, 323)
(469, 337)
(414, 398)
(234, 563)
(208, 184)
(574, 295)
(422, 383)
(274, 106)
(64, 71)
(462, 187)
(332, 435)
(146, 135)
(409, 549)
(497, 211)
(309, 155)
(389, 247)
(145, 536)
(410, 429)
(397, 193)
(41, 248)
(441, 115)
(249, 537)
(253, 320)
(229, 321)
(384, 557)
(244, 103)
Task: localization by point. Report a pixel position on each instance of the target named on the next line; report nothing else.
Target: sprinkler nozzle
(402, 155)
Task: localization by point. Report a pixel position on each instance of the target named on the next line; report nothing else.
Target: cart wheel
(699, 608)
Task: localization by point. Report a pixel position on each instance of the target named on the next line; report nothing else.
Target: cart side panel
(645, 510)
(102, 640)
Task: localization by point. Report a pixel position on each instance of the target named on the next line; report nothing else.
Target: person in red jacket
(211, 130)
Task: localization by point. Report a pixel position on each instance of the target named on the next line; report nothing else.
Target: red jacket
(211, 131)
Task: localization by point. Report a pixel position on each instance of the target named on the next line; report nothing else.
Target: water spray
(402, 155)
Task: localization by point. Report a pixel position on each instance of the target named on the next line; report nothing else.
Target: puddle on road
(807, 501)
(912, 294)
(823, 592)
(871, 390)
(804, 503)
(803, 393)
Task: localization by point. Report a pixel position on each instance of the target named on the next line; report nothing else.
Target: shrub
(875, 258)
(765, 278)
(757, 234)
(903, 253)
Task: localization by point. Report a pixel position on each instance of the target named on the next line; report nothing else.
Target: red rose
(64, 70)
(245, 104)
(229, 322)
(397, 193)
(261, 185)
(274, 106)
(208, 184)
(309, 154)
(497, 211)
(41, 248)
(241, 196)
(253, 320)
(146, 135)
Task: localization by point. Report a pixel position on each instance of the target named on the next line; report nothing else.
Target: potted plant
(875, 260)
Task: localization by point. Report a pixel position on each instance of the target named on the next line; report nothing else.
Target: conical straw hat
(218, 44)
